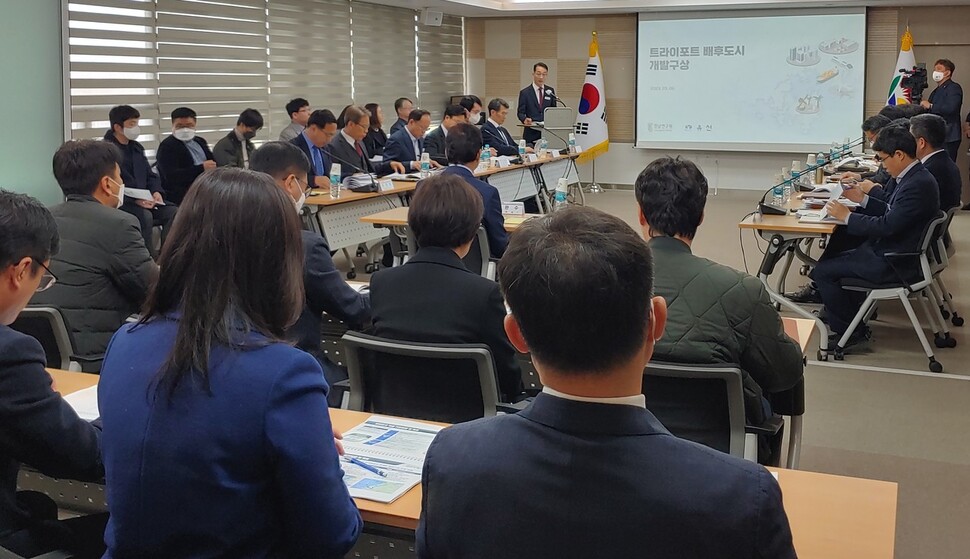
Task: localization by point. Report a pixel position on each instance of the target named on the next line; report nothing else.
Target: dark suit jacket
(375, 140)
(948, 178)
(176, 167)
(399, 148)
(565, 479)
(228, 151)
(897, 224)
(342, 152)
(246, 468)
(529, 107)
(492, 220)
(434, 298)
(135, 170)
(103, 271)
(398, 124)
(38, 428)
(301, 142)
(434, 144)
(500, 139)
(947, 99)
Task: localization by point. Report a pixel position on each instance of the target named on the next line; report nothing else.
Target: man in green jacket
(716, 313)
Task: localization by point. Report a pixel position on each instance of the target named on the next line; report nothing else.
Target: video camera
(915, 81)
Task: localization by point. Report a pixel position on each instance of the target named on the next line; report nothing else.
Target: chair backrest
(451, 383)
(932, 235)
(700, 403)
(478, 256)
(47, 326)
(939, 258)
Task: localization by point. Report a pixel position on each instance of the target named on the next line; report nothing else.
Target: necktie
(360, 153)
(505, 135)
(539, 96)
(317, 161)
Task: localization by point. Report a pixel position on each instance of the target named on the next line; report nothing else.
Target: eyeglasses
(47, 280)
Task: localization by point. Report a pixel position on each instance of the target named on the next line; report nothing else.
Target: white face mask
(937, 76)
(132, 133)
(184, 134)
(475, 118)
(121, 192)
(299, 203)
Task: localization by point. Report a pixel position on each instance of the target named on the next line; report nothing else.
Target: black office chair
(705, 404)
(48, 326)
(450, 383)
(7, 554)
(478, 259)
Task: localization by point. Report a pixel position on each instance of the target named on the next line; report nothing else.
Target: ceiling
(499, 8)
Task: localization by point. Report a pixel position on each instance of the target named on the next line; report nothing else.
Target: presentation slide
(750, 81)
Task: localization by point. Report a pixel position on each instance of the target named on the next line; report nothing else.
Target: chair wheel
(936, 366)
(957, 320)
(939, 341)
(361, 252)
(822, 356)
(351, 275)
(370, 268)
(944, 313)
(950, 342)
(804, 270)
(839, 354)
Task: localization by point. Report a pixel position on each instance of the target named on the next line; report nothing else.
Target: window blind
(383, 55)
(212, 58)
(441, 64)
(309, 56)
(111, 61)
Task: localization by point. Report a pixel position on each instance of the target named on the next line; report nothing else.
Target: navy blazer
(342, 152)
(176, 168)
(948, 178)
(135, 170)
(398, 124)
(500, 139)
(946, 101)
(896, 225)
(301, 142)
(529, 107)
(492, 220)
(434, 144)
(399, 148)
(38, 428)
(247, 468)
(565, 479)
(435, 299)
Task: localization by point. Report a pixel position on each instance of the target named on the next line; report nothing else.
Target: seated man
(586, 471)
(321, 128)
(407, 144)
(893, 225)
(464, 147)
(494, 133)
(326, 290)
(38, 427)
(434, 142)
(103, 268)
(299, 111)
(403, 107)
(434, 298)
(183, 156)
(348, 148)
(234, 149)
(930, 133)
(716, 314)
(137, 173)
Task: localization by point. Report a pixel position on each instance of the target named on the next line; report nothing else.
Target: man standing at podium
(533, 101)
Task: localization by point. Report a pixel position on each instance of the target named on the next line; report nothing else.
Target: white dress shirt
(638, 400)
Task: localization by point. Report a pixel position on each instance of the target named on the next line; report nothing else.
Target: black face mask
(249, 135)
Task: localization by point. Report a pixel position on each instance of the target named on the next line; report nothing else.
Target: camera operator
(946, 100)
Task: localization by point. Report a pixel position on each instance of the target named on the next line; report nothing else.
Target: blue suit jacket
(501, 140)
(301, 142)
(399, 148)
(947, 99)
(564, 479)
(896, 224)
(398, 124)
(529, 107)
(248, 469)
(492, 220)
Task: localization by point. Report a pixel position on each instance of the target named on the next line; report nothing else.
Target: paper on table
(141, 194)
(85, 403)
(396, 446)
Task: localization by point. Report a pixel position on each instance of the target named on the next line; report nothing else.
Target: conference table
(786, 237)
(832, 517)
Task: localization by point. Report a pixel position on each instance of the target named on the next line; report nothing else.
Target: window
(441, 64)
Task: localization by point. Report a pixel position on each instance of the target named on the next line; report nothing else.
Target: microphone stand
(356, 168)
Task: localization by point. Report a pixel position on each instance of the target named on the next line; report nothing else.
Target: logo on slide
(590, 100)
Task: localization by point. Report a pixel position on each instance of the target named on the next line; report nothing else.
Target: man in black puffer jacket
(716, 314)
(103, 269)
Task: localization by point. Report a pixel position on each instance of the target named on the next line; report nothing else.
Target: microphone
(556, 97)
(356, 168)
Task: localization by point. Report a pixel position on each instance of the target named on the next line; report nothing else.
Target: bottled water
(561, 189)
(522, 150)
(572, 143)
(335, 180)
(486, 157)
(425, 165)
(778, 196)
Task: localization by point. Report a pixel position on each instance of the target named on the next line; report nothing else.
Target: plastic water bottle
(819, 165)
(335, 180)
(572, 143)
(425, 165)
(845, 146)
(834, 151)
(561, 189)
(543, 146)
(778, 191)
(487, 157)
(522, 150)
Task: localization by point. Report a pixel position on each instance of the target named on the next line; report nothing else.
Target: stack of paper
(395, 447)
(361, 182)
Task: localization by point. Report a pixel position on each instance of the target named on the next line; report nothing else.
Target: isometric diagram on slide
(803, 56)
(841, 46)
